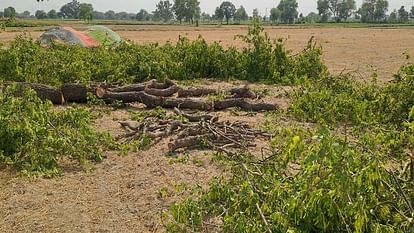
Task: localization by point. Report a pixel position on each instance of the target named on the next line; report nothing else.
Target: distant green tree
(98, 15)
(256, 13)
(70, 10)
(373, 11)
(228, 10)
(393, 18)
(403, 15)
(339, 9)
(52, 14)
(205, 17)
(9, 12)
(188, 10)
(288, 10)
(85, 11)
(40, 14)
(241, 14)
(412, 12)
(110, 15)
(164, 11)
(123, 15)
(312, 18)
(179, 9)
(142, 15)
(25, 14)
(380, 12)
(346, 9)
(274, 14)
(219, 14)
(193, 11)
(323, 10)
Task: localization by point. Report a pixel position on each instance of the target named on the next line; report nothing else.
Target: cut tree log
(152, 84)
(194, 118)
(187, 142)
(167, 102)
(238, 92)
(244, 105)
(162, 92)
(77, 93)
(129, 88)
(44, 92)
(153, 101)
(196, 92)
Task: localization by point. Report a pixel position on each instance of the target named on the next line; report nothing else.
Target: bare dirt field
(362, 50)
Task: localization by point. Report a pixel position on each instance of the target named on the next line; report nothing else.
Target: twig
(257, 205)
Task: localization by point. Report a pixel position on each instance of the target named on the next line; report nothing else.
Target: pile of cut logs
(153, 94)
(198, 129)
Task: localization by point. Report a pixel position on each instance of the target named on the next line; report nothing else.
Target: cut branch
(193, 118)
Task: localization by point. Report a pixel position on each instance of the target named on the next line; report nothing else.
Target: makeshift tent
(104, 35)
(94, 36)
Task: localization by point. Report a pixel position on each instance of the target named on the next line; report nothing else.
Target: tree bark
(153, 101)
(76, 93)
(167, 102)
(238, 92)
(44, 92)
(244, 105)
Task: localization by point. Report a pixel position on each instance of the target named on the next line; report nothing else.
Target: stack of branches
(195, 131)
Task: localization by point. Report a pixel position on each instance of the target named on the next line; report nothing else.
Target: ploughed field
(363, 50)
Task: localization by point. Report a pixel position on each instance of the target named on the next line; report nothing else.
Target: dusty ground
(363, 50)
(121, 194)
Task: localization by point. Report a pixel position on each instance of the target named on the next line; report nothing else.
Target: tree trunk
(238, 92)
(76, 93)
(44, 92)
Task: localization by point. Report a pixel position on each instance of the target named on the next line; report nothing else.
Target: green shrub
(339, 99)
(34, 137)
(318, 184)
(262, 60)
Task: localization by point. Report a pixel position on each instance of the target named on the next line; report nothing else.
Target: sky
(133, 6)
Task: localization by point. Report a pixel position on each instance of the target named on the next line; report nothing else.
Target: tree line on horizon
(371, 11)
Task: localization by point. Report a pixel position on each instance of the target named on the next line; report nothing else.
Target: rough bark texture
(244, 105)
(43, 92)
(193, 117)
(196, 92)
(128, 88)
(238, 92)
(162, 92)
(188, 142)
(76, 93)
(153, 101)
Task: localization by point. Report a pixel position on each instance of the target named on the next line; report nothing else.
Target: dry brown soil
(363, 50)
